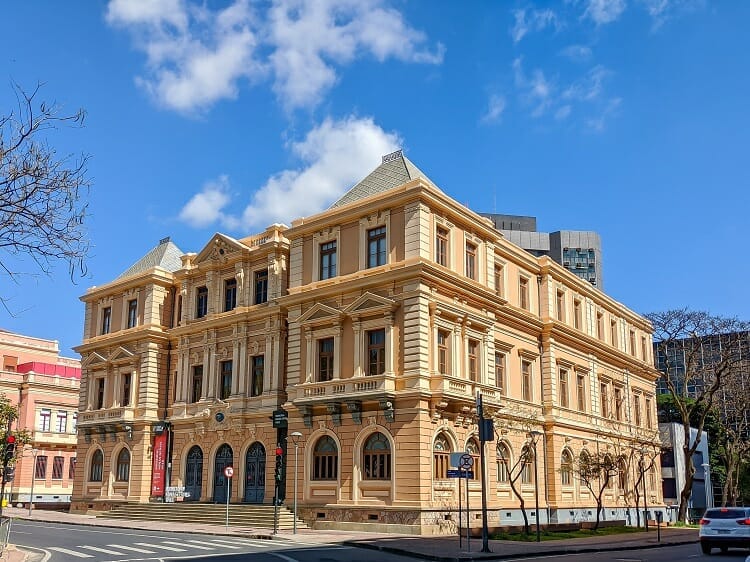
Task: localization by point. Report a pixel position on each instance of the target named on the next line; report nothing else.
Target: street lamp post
(34, 453)
(707, 484)
(295, 439)
(534, 435)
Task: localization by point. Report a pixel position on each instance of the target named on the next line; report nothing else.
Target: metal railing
(4, 532)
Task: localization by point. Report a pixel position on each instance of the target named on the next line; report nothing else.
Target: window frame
(45, 420)
(377, 238)
(527, 382)
(258, 366)
(201, 301)
(62, 416)
(563, 387)
(376, 462)
(40, 467)
(106, 326)
(328, 355)
(96, 467)
(471, 261)
(122, 473)
(379, 351)
(196, 386)
(325, 462)
(126, 389)
(230, 294)
(441, 457)
(523, 293)
(443, 351)
(328, 270)
(58, 467)
(442, 245)
(226, 370)
(260, 286)
(132, 313)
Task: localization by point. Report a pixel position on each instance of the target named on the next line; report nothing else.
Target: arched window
(123, 466)
(527, 460)
(376, 458)
(325, 459)
(503, 463)
(566, 468)
(608, 470)
(472, 447)
(97, 465)
(441, 451)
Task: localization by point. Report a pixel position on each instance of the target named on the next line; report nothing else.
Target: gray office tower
(578, 251)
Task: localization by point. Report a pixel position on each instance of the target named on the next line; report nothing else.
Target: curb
(490, 556)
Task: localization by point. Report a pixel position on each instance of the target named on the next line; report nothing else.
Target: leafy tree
(8, 415)
(597, 471)
(698, 354)
(43, 195)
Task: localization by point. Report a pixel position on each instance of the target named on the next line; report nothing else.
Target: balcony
(362, 388)
(50, 438)
(107, 415)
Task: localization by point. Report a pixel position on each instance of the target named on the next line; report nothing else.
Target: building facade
(370, 327)
(44, 387)
(578, 251)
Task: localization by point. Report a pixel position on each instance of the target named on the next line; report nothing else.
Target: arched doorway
(194, 474)
(255, 473)
(224, 458)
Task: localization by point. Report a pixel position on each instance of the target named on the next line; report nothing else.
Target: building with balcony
(44, 387)
(369, 329)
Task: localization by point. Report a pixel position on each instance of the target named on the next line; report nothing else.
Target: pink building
(45, 388)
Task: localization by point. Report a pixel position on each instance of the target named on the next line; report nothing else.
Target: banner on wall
(159, 464)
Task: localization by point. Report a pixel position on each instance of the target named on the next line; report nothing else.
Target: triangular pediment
(220, 247)
(320, 313)
(121, 354)
(93, 358)
(370, 303)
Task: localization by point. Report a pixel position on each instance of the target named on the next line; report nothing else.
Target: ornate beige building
(373, 325)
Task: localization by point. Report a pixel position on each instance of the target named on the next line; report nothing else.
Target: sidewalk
(438, 548)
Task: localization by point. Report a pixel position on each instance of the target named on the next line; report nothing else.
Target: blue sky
(627, 117)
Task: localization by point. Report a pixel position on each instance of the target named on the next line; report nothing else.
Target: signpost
(228, 473)
(465, 464)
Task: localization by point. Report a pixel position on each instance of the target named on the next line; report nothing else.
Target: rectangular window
(441, 246)
(473, 352)
(230, 294)
(197, 386)
(376, 352)
(618, 404)
(58, 464)
(45, 416)
(581, 392)
(632, 343)
(577, 315)
(561, 306)
(256, 386)
(526, 380)
(376, 250)
(442, 351)
(527, 476)
(325, 359)
(499, 280)
(201, 303)
(637, 409)
(604, 395)
(62, 421)
(226, 379)
(328, 260)
(523, 293)
(132, 313)
(500, 373)
(127, 379)
(644, 349)
(74, 424)
(563, 388)
(72, 469)
(261, 286)
(649, 421)
(106, 320)
(40, 469)
(471, 260)
(100, 393)
(613, 332)
(600, 325)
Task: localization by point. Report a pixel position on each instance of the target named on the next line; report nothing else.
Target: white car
(725, 527)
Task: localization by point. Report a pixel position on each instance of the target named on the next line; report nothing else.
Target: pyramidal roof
(166, 255)
(396, 169)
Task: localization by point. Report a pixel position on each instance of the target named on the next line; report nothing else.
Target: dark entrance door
(255, 473)
(224, 458)
(194, 474)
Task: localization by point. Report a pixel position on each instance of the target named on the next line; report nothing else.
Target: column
(389, 344)
(357, 328)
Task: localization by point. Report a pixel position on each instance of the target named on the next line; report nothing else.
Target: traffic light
(278, 470)
(9, 452)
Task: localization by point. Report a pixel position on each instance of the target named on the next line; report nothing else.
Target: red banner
(159, 465)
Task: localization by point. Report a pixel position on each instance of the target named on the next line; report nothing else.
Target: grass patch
(558, 535)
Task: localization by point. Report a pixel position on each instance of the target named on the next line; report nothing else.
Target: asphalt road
(685, 553)
(82, 543)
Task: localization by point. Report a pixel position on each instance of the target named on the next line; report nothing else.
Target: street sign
(456, 458)
(228, 471)
(280, 418)
(461, 474)
(466, 461)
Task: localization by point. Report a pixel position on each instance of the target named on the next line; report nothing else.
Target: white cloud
(533, 20)
(577, 53)
(197, 56)
(563, 112)
(206, 207)
(536, 90)
(598, 123)
(334, 155)
(604, 11)
(662, 10)
(495, 109)
(589, 87)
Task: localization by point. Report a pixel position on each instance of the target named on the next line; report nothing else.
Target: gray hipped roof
(396, 169)
(166, 256)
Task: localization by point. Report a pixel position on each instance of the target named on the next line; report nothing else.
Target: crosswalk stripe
(98, 549)
(132, 548)
(70, 552)
(263, 543)
(151, 545)
(191, 544)
(222, 544)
